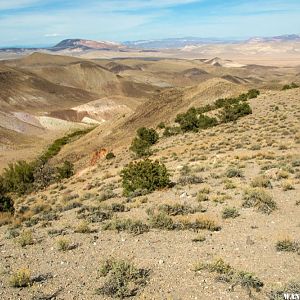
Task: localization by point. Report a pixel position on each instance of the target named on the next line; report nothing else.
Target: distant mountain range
(194, 41)
(174, 42)
(169, 43)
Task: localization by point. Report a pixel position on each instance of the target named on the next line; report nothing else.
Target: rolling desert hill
(55, 93)
(198, 236)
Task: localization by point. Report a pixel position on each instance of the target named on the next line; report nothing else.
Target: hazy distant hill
(86, 45)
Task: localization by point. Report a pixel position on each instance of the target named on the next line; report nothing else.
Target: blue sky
(46, 22)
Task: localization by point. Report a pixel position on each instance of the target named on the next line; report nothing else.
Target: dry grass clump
(163, 221)
(282, 174)
(287, 185)
(230, 212)
(259, 199)
(199, 238)
(198, 223)
(83, 227)
(233, 172)
(20, 278)
(132, 226)
(176, 209)
(229, 184)
(94, 214)
(5, 218)
(202, 196)
(261, 182)
(64, 244)
(287, 245)
(26, 238)
(190, 179)
(124, 279)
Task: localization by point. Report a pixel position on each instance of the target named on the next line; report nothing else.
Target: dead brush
(259, 199)
(124, 279)
(226, 273)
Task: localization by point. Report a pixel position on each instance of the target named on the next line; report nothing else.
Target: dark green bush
(66, 170)
(148, 134)
(144, 175)
(161, 125)
(188, 121)
(18, 177)
(140, 147)
(110, 155)
(170, 131)
(6, 203)
(206, 108)
(253, 93)
(56, 146)
(206, 122)
(234, 112)
(293, 85)
(193, 121)
(145, 139)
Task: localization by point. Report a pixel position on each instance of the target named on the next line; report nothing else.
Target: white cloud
(53, 34)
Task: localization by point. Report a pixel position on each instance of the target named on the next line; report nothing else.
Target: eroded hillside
(226, 228)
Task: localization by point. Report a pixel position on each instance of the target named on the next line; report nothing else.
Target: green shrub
(110, 155)
(6, 203)
(205, 122)
(140, 147)
(193, 121)
(290, 86)
(148, 134)
(233, 112)
(170, 131)
(161, 125)
(66, 170)
(57, 145)
(125, 280)
(144, 175)
(18, 177)
(259, 199)
(253, 93)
